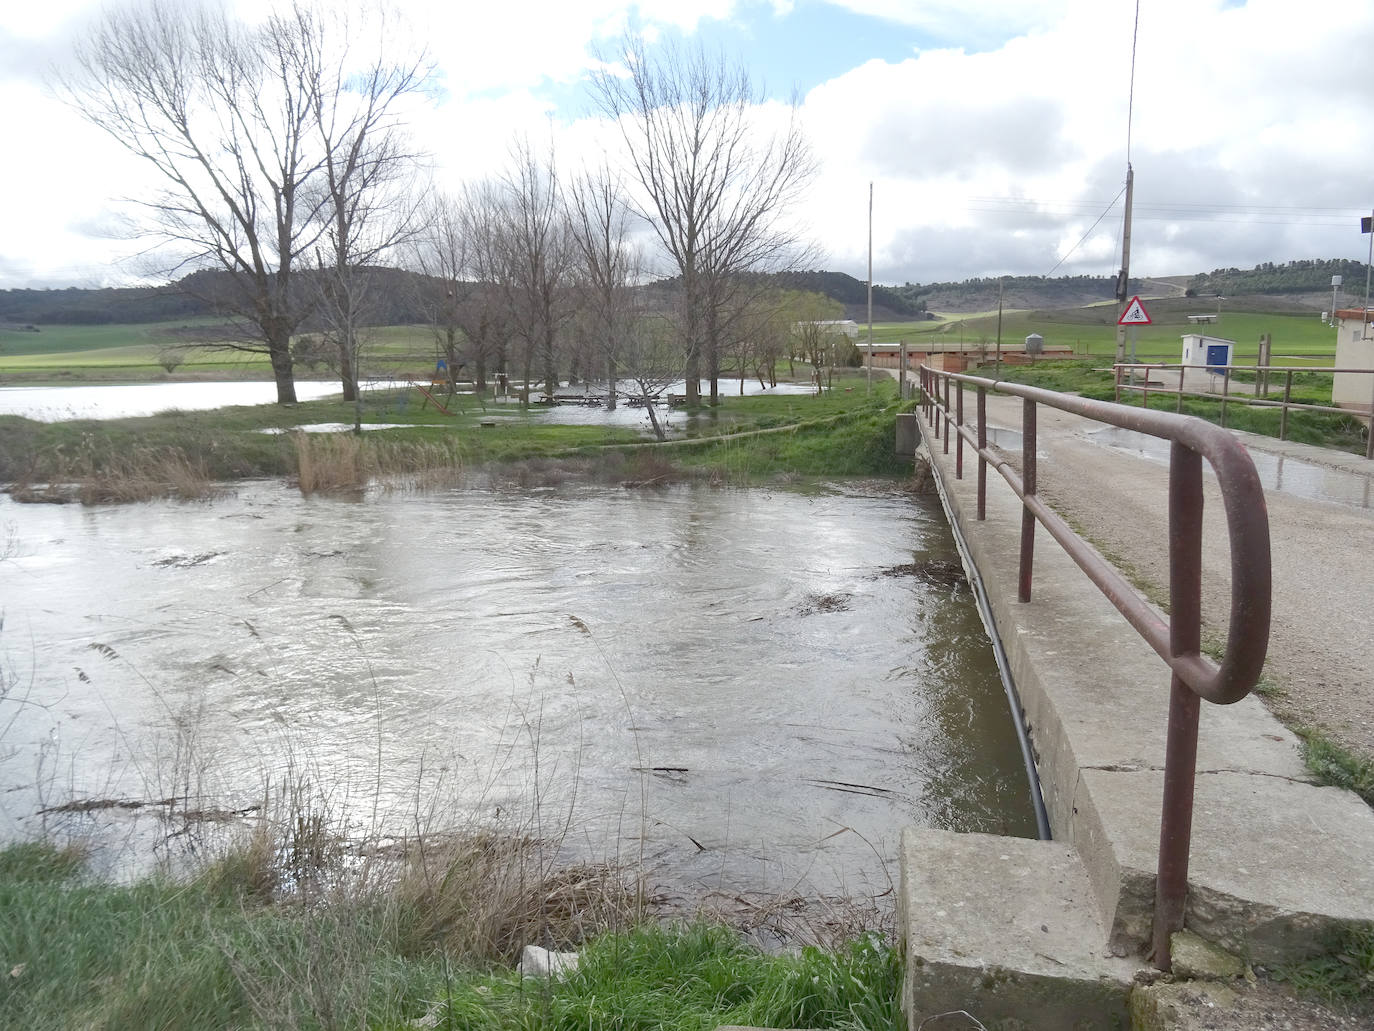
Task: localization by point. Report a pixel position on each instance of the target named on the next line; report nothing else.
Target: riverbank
(407, 950)
(845, 431)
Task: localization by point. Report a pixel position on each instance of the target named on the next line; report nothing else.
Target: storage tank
(1035, 344)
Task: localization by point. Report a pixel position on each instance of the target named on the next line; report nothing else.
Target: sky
(994, 132)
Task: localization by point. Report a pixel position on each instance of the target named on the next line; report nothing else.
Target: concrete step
(1277, 865)
(1005, 929)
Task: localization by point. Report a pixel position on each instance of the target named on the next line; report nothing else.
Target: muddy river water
(750, 688)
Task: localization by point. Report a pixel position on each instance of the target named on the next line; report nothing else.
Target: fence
(1257, 397)
(1177, 641)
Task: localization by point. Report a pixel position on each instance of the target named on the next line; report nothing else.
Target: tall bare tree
(608, 268)
(537, 254)
(223, 115)
(718, 186)
(367, 168)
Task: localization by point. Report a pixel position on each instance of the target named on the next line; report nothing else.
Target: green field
(135, 352)
(1092, 330)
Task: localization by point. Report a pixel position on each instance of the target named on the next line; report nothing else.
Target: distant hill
(396, 301)
(1293, 277)
(1017, 292)
(1295, 284)
(889, 304)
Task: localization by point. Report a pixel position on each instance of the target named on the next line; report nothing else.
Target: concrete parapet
(1276, 861)
(1006, 930)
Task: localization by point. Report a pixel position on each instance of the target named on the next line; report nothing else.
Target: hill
(1294, 277)
(1293, 285)
(980, 294)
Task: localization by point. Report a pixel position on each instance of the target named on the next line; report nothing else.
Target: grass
(1322, 429)
(188, 454)
(1336, 765)
(1091, 330)
(1343, 976)
(213, 953)
(695, 978)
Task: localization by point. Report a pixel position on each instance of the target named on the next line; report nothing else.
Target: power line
(1106, 211)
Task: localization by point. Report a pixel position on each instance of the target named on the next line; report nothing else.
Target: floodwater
(380, 398)
(749, 689)
(1282, 473)
(128, 400)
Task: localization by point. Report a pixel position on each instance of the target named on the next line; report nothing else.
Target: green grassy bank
(846, 431)
(212, 952)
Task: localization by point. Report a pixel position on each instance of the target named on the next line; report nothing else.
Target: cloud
(1245, 132)
(992, 149)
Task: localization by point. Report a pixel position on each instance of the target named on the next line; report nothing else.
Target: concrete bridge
(1056, 933)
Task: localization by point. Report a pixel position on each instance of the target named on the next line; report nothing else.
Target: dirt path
(1321, 650)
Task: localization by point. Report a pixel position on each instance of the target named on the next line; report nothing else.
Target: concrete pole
(998, 374)
(869, 363)
(1125, 292)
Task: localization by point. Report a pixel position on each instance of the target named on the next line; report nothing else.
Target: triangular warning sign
(1134, 315)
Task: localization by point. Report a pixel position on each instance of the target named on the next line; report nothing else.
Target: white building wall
(1354, 350)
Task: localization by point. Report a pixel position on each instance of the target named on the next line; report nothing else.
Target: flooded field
(752, 689)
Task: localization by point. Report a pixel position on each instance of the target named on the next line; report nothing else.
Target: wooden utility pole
(1000, 284)
(1123, 286)
(869, 363)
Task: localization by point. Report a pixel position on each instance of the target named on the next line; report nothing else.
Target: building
(1354, 350)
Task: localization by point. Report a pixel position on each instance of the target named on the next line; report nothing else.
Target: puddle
(1276, 472)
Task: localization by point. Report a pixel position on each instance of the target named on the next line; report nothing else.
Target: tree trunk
(347, 377)
(610, 384)
(279, 352)
(659, 432)
(528, 375)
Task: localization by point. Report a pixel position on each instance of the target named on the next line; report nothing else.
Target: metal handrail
(1177, 640)
(1261, 373)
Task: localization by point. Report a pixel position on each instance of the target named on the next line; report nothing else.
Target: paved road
(1111, 486)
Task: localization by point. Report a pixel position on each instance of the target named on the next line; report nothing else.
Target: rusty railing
(1177, 641)
(1258, 397)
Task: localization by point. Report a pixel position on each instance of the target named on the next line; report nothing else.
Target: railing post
(1287, 394)
(1182, 370)
(1117, 370)
(1225, 393)
(945, 378)
(1369, 444)
(958, 428)
(982, 460)
(1028, 484)
(1185, 638)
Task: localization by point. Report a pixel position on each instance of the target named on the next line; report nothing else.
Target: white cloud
(993, 150)
(1233, 106)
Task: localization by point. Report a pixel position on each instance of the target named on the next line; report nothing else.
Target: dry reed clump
(329, 462)
(483, 896)
(144, 474)
(348, 462)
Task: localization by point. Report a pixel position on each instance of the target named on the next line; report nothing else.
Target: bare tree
(652, 359)
(438, 251)
(536, 255)
(479, 305)
(224, 115)
(367, 169)
(608, 268)
(718, 187)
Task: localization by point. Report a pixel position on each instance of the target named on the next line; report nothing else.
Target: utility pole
(869, 363)
(1123, 285)
(1000, 284)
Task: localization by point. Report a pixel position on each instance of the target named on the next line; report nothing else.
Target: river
(749, 688)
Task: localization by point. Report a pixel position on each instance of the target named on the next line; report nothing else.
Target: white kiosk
(1206, 352)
